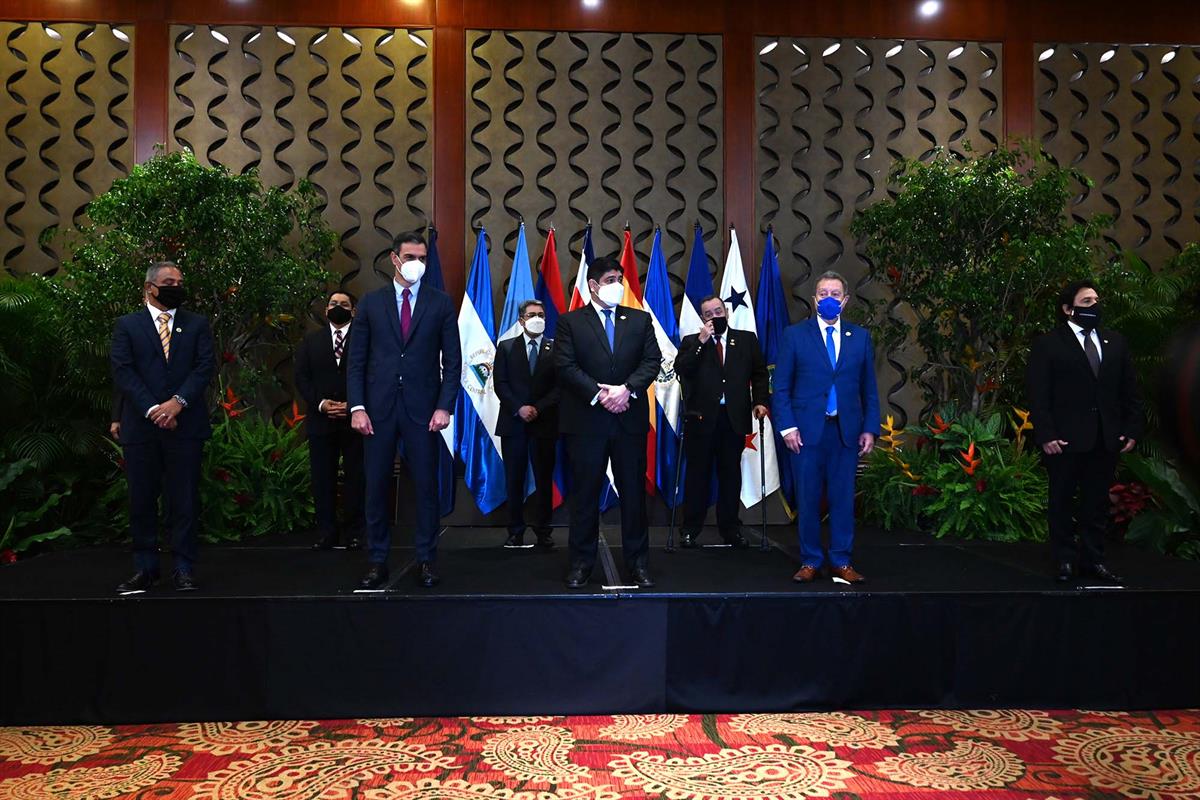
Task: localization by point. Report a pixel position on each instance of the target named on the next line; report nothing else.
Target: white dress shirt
(1080, 333)
(154, 315)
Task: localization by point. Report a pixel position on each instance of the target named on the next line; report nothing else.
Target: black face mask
(170, 297)
(338, 315)
(1087, 317)
(720, 325)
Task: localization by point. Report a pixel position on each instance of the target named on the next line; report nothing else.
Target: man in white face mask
(607, 357)
(401, 384)
(528, 424)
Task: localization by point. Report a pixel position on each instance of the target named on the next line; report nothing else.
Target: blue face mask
(829, 308)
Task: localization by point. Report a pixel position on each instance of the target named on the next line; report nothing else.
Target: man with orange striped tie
(162, 362)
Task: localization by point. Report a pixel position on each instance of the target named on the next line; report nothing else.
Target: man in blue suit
(162, 362)
(401, 384)
(826, 406)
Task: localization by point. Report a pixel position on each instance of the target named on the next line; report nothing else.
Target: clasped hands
(166, 414)
(334, 409)
(615, 399)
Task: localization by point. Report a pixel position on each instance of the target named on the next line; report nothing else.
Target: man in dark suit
(1083, 401)
(607, 357)
(826, 406)
(320, 374)
(724, 383)
(162, 362)
(401, 384)
(528, 423)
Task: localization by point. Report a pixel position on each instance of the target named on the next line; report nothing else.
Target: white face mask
(535, 325)
(411, 271)
(611, 294)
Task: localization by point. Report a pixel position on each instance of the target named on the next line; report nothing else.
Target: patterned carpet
(903, 754)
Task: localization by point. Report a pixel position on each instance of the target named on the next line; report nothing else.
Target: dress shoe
(847, 573)
(326, 542)
(184, 581)
(1103, 574)
(805, 574)
(737, 540)
(515, 540)
(577, 577)
(376, 577)
(641, 577)
(545, 541)
(353, 543)
(140, 582)
(1065, 573)
(687, 541)
(427, 575)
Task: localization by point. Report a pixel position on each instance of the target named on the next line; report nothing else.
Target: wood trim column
(739, 145)
(1018, 60)
(151, 83)
(450, 142)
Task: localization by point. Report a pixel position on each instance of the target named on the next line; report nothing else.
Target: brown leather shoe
(806, 574)
(847, 574)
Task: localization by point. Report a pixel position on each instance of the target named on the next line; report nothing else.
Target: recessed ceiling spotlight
(929, 8)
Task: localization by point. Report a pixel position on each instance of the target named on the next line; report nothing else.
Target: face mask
(1087, 317)
(412, 271)
(170, 297)
(829, 308)
(338, 315)
(720, 325)
(535, 325)
(611, 294)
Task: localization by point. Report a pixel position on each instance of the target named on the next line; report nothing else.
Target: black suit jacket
(146, 377)
(742, 379)
(1068, 402)
(584, 361)
(319, 377)
(516, 387)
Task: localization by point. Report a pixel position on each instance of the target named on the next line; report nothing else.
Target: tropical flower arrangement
(958, 474)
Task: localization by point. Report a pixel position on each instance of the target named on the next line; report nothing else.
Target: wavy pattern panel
(66, 113)
(832, 117)
(615, 128)
(1128, 117)
(347, 108)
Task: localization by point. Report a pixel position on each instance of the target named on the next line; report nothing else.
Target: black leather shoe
(738, 541)
(1066, 572)
(545, 541)
(641, 577)
(515, 540)
(140, 582)
(376, 577)
(326, 542)
(577, 577)
(184, 581)
(1103, 574)
(687, 541)
(427, 575)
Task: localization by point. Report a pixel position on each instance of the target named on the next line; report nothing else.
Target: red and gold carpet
(1152, 755)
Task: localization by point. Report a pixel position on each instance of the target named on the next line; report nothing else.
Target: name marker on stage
(135, 591)
(840, 580)
(369, 591)
(617, 587)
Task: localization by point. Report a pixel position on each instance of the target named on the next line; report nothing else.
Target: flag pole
(764, 544)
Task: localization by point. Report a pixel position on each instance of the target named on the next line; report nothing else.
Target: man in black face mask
(724, 382)
(162, 362)
(321, 380)
(1085, 409)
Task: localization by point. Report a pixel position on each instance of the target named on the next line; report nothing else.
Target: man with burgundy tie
(1085, 409)
(162, 363)
(401, 383)
(321, 380)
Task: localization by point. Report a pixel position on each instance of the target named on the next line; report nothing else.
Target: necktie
(532, 355)
(609, 330)
(406, 314)
(338, 342)
(831, 348)
(164, 333)
(720, 350)
(1093, 355)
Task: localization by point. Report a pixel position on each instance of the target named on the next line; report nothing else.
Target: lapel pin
(732, 342)
(847, 333)
(179, 330)
(622, 316)
(1106, 341)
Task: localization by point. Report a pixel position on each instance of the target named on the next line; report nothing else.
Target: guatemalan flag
(478, 408)
(740, 308)
(520, 289)
(771, 314)
(666, 402)
(697, 286)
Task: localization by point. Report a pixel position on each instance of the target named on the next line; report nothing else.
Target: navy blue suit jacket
(803, 377)
(145, 377)
(429, 365)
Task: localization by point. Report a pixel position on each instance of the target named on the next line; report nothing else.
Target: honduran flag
(665, 399)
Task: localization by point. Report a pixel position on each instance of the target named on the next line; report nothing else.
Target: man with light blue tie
(826, 406)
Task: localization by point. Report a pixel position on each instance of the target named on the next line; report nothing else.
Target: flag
(477, 407)
(698, 286)
(446, 481)
(740, 308)
(633, 299)
(549, 286)
(581, 295)
(665, 393)
(771, 315)
(520, 289)
(433, 263)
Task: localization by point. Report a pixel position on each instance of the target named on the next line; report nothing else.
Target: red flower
(923, 490)
(970, 462)
(230, 401)
(228, 357)
(8, 556)
(893, 274)
(941, 425)
(987, 386)
(243, 499)
(922, 442)
(222, 475)
(980, 485)
(296, 416)
(275, 456)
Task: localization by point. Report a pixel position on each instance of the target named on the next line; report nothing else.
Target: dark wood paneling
(450, 141)
(694, 16)
(150, 87)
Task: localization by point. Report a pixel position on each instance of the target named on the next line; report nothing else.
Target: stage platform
(277, 631)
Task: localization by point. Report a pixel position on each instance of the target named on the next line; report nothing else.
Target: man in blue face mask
(826, 406)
